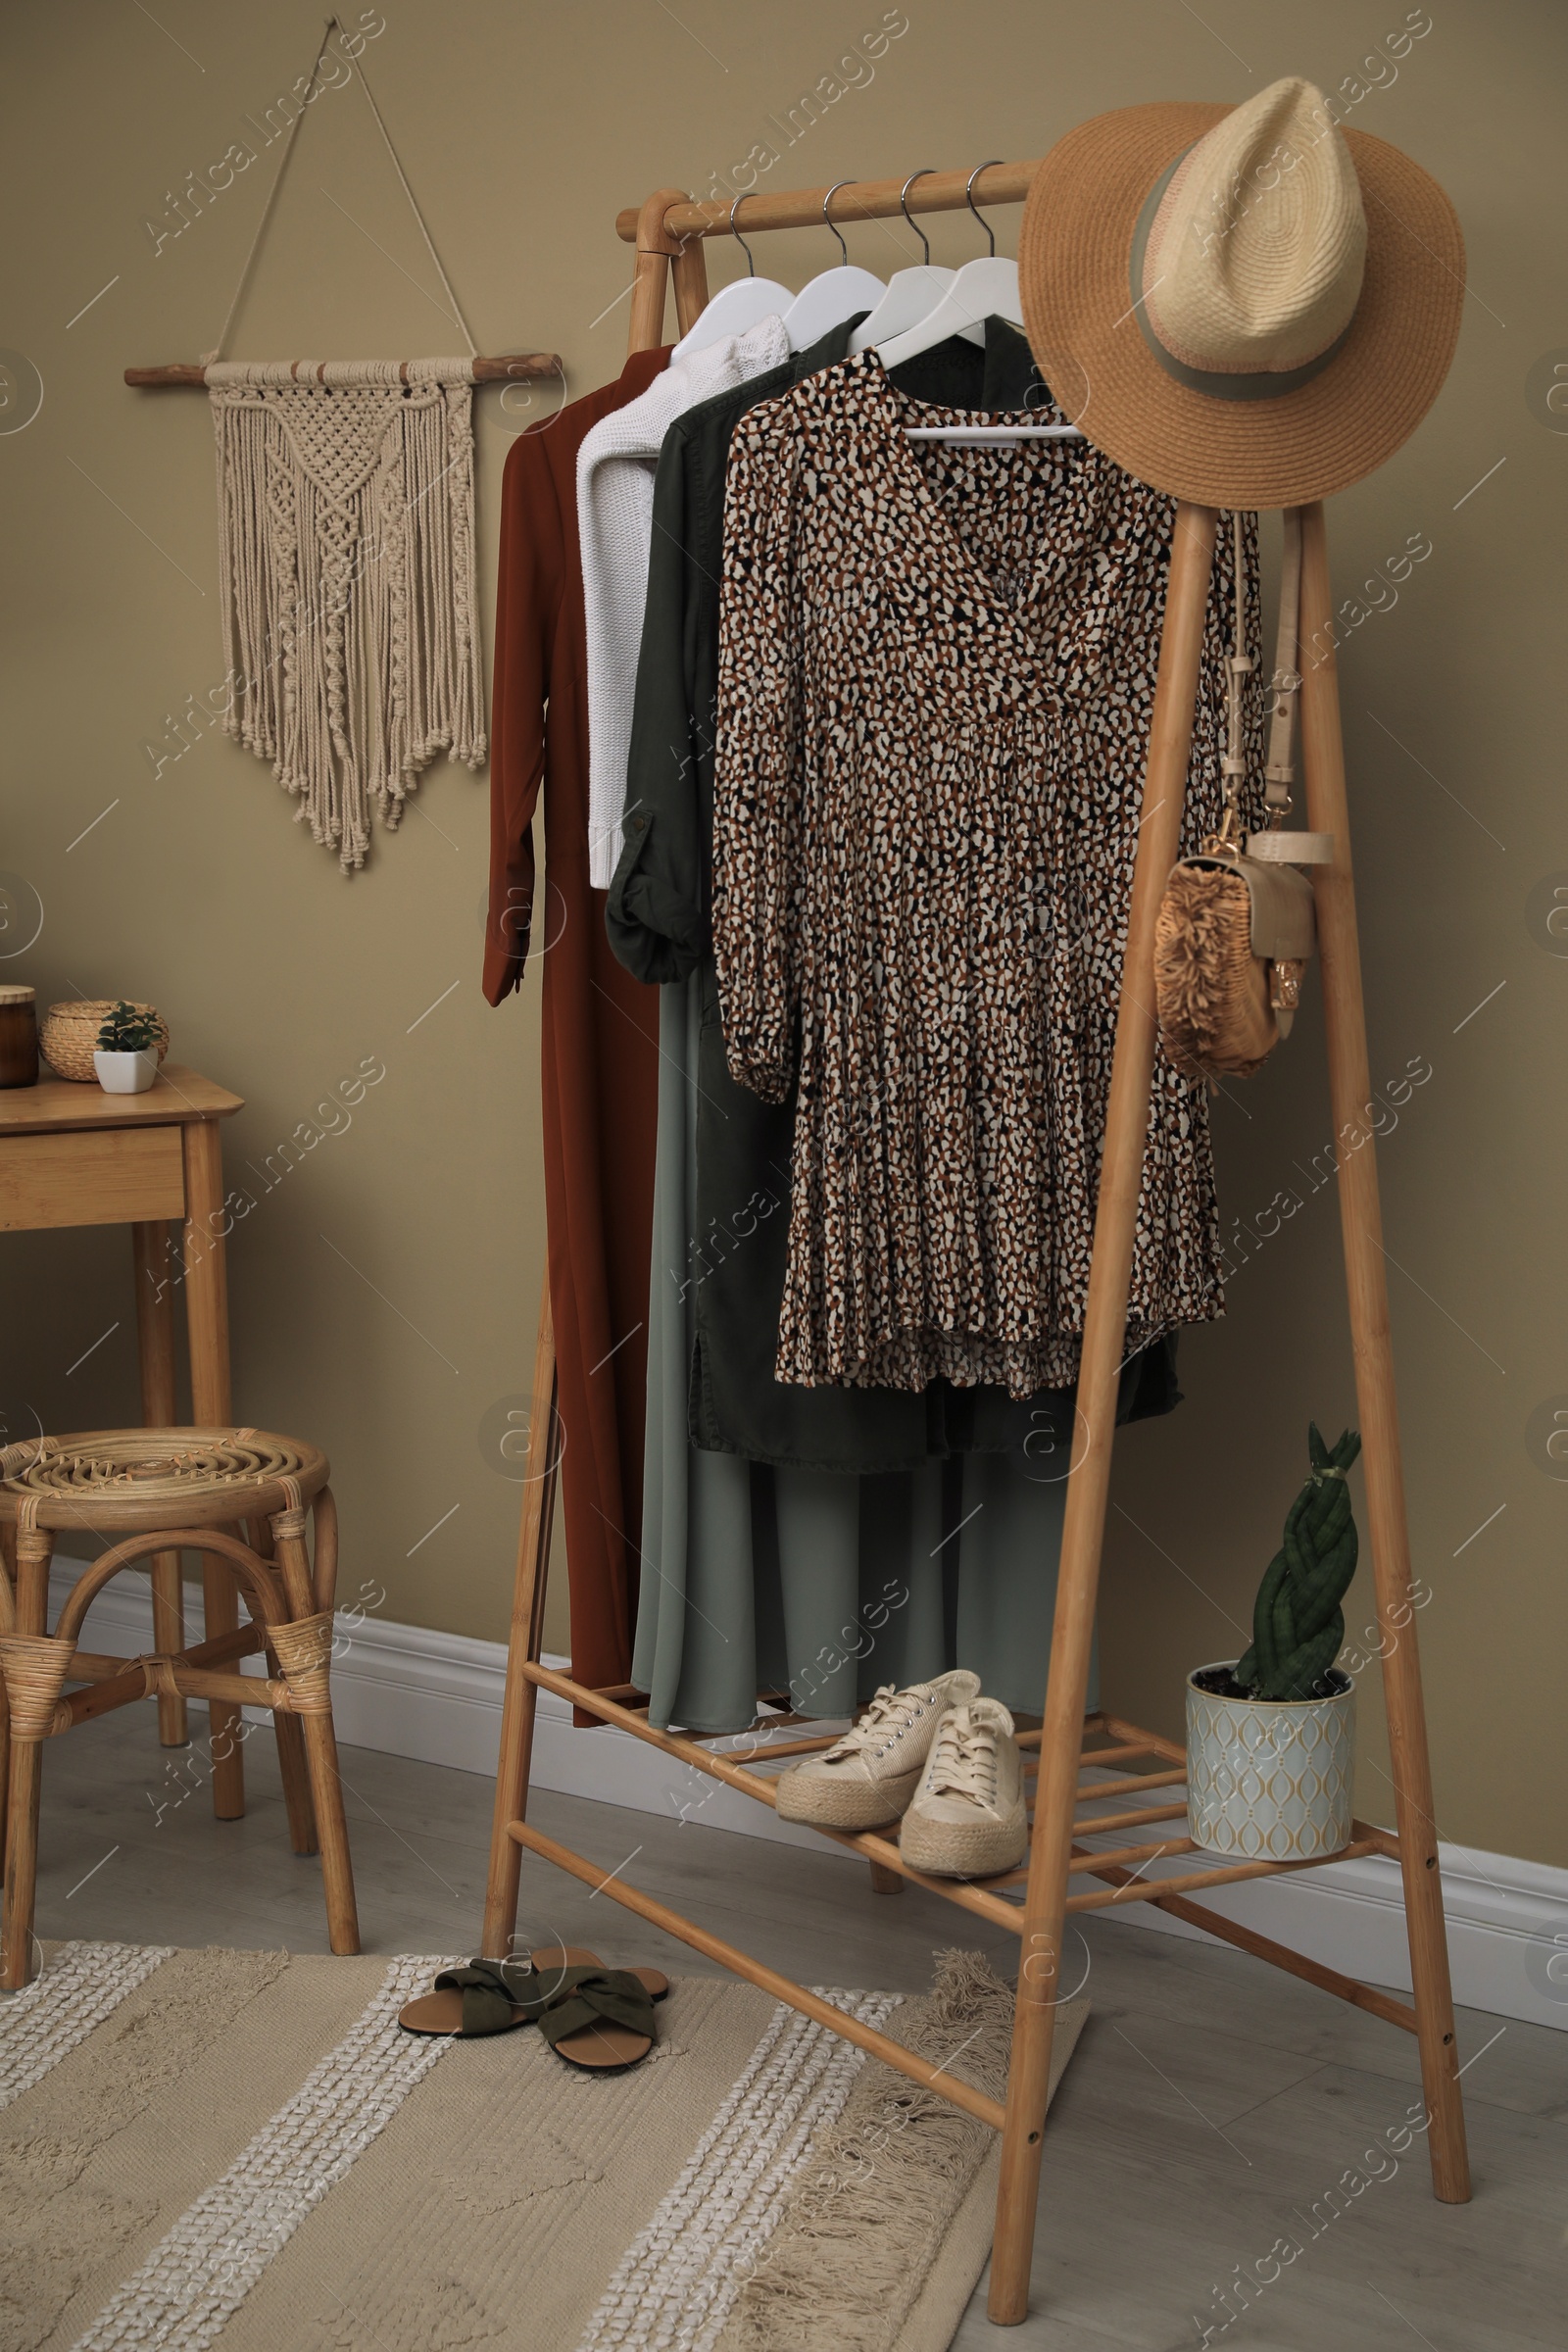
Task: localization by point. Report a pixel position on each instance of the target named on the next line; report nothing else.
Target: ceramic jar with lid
(19, 1036)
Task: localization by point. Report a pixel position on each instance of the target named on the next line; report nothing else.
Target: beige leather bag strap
(1278, 774)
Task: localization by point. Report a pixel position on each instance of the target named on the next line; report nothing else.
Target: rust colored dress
(600, 1026)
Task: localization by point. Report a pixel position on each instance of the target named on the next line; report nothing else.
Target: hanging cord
(332, 26)
(457, 308)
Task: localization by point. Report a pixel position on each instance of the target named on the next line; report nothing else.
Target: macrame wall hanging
(346, 545)
(346, 537)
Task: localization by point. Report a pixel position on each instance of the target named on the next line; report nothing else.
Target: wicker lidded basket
(69, 1037)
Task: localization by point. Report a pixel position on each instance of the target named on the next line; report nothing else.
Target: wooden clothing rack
(668, 231)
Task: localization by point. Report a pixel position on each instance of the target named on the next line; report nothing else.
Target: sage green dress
(820, 1584)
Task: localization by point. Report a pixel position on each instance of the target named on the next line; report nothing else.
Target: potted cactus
(125, 1056)
(1271, 1738)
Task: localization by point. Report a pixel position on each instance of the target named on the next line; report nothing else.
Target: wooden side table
(71, 1154)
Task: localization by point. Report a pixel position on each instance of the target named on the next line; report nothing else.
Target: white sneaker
(967, 1818)
(870, 1775)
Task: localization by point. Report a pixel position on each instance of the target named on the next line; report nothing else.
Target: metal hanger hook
(968, 198)
(751, 258)
(829, 223)
(903, 207)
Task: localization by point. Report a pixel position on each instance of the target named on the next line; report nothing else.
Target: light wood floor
(1211, 2106)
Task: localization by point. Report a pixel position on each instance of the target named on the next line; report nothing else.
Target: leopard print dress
(936, 677)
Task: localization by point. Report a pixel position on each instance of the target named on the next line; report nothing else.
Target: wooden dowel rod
(860, 200)
(510, 367)
(758, 1727)
(1280, 1955)
(1117, 1855)
(1150, 1740)
(1143, 1816)
(1101, 1755)
(796, 1747)
(593, 1703)
(1291, 1963)
(1125, 1785)
(1142, 1890)
(767, 1980)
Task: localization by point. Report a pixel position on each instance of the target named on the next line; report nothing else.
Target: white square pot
(125, 1073)
(1269, 1780)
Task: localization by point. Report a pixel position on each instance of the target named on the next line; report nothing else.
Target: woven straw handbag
(1236, 926)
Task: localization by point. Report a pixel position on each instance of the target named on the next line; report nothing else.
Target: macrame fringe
(346, 540)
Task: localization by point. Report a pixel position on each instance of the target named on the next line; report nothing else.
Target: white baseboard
(436, 1697)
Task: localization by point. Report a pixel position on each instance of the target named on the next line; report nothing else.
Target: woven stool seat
(134, 1478)
(245, 1499)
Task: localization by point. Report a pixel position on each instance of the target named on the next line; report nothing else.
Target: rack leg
(1040, 1971)
(689, 270)
(1361, 1218)
(655, 250)
(526, 1642)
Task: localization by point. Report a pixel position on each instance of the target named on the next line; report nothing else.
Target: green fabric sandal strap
(588, 1996)
(493, 1991)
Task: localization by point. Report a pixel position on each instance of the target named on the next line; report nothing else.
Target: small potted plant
(125, 1056)
(1271, 1738)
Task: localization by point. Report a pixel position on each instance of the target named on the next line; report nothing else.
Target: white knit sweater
(615, 521)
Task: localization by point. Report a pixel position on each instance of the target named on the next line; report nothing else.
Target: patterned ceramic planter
(1269, 1778)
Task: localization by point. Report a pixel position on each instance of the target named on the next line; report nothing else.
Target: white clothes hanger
(980, 290)
(741, 305)
(913, 294)
(834, 296)
(992, 291)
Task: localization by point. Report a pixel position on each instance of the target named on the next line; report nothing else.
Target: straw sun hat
(1245, 307)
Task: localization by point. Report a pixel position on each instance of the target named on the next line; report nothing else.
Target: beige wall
(384, 1293)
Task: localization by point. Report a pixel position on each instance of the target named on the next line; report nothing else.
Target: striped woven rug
(241, 2150)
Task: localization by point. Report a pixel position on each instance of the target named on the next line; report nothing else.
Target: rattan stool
(173, 1489)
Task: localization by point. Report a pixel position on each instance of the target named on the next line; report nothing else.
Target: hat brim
(1073, 260)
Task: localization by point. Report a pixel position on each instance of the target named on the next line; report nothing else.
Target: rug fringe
(886, 2181)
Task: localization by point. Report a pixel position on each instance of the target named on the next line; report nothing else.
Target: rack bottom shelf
(1002, 1900)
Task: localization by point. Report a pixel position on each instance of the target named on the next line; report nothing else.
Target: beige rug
(242, 2149)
